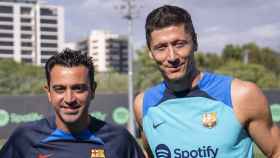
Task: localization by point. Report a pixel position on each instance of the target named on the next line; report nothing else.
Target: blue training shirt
(198, 124)
(41, 139)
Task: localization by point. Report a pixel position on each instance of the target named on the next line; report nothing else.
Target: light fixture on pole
(128, 9)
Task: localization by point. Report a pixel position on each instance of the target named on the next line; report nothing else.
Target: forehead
(62, 74)
(169, 34)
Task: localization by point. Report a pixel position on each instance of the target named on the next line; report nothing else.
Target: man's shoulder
(29, 132)
(242, 88)
(108, 130)
(31, 126)
(156, 88)
(249, 100)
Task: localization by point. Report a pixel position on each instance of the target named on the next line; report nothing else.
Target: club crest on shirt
(97, 153)
(209, 120)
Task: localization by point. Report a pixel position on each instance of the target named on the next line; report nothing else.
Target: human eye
(180, 44)
(59, 89)
(159, 48)
(80, 88)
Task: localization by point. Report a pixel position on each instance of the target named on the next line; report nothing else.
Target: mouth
(70, 109)
(174, 69)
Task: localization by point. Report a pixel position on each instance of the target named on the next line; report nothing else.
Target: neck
(185, 83)
(74, 127)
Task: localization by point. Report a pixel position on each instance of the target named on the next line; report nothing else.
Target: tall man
(193, 113)
(72, 132)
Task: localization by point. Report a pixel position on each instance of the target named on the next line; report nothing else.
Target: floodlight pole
(129, 17)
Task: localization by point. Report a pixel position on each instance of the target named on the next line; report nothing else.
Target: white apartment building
(109, 51)
(30, 31)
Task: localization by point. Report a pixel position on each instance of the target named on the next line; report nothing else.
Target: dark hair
(70, 58)
(168, 15)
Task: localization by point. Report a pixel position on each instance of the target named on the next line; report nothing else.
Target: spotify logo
(162, 151)
(121, 115)
(4, 118)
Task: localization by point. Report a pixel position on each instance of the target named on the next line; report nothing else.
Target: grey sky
(217, 22)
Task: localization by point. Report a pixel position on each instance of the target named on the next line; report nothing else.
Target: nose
(69, 97)
(172, 57)
(171, 52)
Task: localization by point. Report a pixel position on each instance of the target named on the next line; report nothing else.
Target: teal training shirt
(198, 124)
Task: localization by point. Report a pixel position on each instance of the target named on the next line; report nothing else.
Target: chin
(174, 77)
(70, 119)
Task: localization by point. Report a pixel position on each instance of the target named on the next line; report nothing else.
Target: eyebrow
(83, 85)
(58, 86)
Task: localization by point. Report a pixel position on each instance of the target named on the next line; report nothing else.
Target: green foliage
(147, 73)
(250, 72)
(111, 82)
(263, 68)
(19, 79)
(263, 65)
(209, 62)
(16, 78)
(232, 52)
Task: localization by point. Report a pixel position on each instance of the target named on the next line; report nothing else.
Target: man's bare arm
(138, 115)
(252, 109)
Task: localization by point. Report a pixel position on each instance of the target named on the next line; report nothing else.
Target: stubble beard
(183, 83)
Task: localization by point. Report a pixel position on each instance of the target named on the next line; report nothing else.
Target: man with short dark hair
(193, 113)
(72, 132)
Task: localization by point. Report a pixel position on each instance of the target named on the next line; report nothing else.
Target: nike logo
(156, 125)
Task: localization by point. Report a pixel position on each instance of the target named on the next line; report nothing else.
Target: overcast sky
(217, 22)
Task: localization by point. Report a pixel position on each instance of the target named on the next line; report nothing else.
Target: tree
(111, 82)
(17, 78)
(250, 72)
(208, 61)
(147, 73)
(232, 52)
(263, 56)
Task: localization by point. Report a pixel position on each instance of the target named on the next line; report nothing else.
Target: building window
(6, 19)
(48, 11)
(6, 51)
(26, 36)
(48, 29)
(44, 60)
(26, 44)
(48, 21)
(50, 37)
(25, 10)
(6, 9)
(5, 35)
(2, 43)
(25, 20)
(26, 28)
(26, 52)
(6, 27)
(48, 52)
(53, 45)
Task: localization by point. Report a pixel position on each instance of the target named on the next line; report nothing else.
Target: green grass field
(258, 153)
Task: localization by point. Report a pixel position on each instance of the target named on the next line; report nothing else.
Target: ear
(194, 48)
(93, 88)
(151, 54)
(47, 90)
